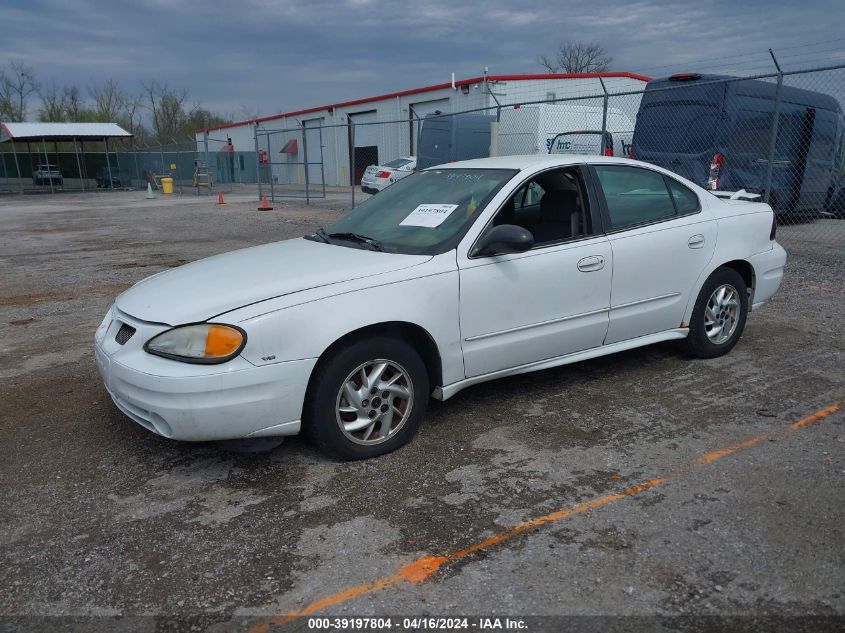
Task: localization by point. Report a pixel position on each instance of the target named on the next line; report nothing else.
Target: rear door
(661, 239)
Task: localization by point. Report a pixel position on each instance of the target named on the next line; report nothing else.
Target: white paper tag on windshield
(429, 215)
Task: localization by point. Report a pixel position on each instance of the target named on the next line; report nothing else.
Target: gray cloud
(272, 55)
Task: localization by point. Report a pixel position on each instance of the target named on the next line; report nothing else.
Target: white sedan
(455, 275)
(378, 177)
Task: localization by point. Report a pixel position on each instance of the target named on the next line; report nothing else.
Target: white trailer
(563, 129)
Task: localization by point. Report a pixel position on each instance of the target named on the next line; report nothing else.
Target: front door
(549, 301)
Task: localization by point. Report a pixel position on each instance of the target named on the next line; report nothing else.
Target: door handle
(591, 263)
(696, 241)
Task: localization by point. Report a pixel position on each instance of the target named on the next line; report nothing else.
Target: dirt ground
(644, 484)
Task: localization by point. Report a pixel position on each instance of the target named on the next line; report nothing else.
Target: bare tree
(577, 57)
(62, 105)
(17, 83)
(109, 100)
(52, 108)
(74, 105)
(169, 110)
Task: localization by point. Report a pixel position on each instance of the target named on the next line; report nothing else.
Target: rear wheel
(368, 398)
(718, 317)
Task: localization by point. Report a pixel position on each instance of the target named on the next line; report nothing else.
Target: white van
(563, 129)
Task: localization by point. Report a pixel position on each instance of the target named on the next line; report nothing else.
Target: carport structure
(40, 134)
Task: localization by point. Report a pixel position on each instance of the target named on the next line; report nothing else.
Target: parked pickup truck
(46, 175)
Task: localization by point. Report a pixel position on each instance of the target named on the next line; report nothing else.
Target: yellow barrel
(167, 185)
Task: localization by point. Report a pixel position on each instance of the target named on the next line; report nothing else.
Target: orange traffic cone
(220, 198)
(265, 206)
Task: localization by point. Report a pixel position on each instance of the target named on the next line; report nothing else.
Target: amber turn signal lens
(222, 341)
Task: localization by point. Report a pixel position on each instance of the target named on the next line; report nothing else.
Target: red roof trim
(413, 91)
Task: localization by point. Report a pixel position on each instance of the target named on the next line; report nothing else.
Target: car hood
(209, 287)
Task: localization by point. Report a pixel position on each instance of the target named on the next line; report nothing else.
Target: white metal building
(386, 126)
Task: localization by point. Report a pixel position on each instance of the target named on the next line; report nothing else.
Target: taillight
(631, 152)
(715, 171)
(608, 151)
(773, 233)
(383, 174)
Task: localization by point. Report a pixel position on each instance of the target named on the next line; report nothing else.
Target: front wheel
(366, 399)
(718, 317)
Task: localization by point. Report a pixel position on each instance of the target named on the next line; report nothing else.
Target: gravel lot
(99, 517)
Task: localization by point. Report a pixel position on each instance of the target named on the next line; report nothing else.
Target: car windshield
(425, 213)
(396, 164)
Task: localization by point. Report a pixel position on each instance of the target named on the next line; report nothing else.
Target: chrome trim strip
(641, 301)
(533, 325)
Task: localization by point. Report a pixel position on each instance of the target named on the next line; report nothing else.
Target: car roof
(537, 161)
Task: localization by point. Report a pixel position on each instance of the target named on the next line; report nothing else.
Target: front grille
(124, 333)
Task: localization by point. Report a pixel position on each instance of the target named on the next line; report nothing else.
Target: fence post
(137, 168)
(352, 156)
(108, 162)
(603, 147)
(78, 165)
(17, 167)
(47, 164)
(178, 162)
(322, 160)
(5, 173)
(257, 159)
(161, 156)
(774, 134)
(305, 161)
(270, 169)
(207, 165)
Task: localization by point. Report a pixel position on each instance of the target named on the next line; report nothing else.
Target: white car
(378, 177)
(456, 275)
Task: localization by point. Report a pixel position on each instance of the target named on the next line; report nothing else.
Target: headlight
(205, 343)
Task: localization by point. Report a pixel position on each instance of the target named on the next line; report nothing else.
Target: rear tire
(718, 317)
(367, 399)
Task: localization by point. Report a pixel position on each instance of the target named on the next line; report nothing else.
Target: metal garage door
(366, 142)
(314, 143)
(419, 111)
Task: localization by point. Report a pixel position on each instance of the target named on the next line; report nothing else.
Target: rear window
(677, 127)
(396, 164)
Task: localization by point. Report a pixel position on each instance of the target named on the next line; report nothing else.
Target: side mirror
(503, 239)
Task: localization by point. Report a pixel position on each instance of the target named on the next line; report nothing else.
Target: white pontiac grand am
(455, 275)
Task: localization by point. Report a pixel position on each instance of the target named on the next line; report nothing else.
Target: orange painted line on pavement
(818, 415)
(422, 568)
(724, 452)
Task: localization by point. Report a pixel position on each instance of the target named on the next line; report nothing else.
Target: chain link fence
(779, 135)
(194, 168)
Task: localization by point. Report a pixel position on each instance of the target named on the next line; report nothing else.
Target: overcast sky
(267, 56)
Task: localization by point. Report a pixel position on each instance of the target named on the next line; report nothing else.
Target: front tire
(366, 399)
(718, 317)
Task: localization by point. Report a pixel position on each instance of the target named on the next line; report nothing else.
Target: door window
(685, 199)
(634, 196)
(552, 205)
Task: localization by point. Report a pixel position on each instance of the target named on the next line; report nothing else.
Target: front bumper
(768, 274)
(200, 402)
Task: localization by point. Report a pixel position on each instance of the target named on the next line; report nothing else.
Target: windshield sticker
(429, 215)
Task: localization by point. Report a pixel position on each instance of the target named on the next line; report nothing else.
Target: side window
(552, 206)
(634, 195)
(685, 199)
